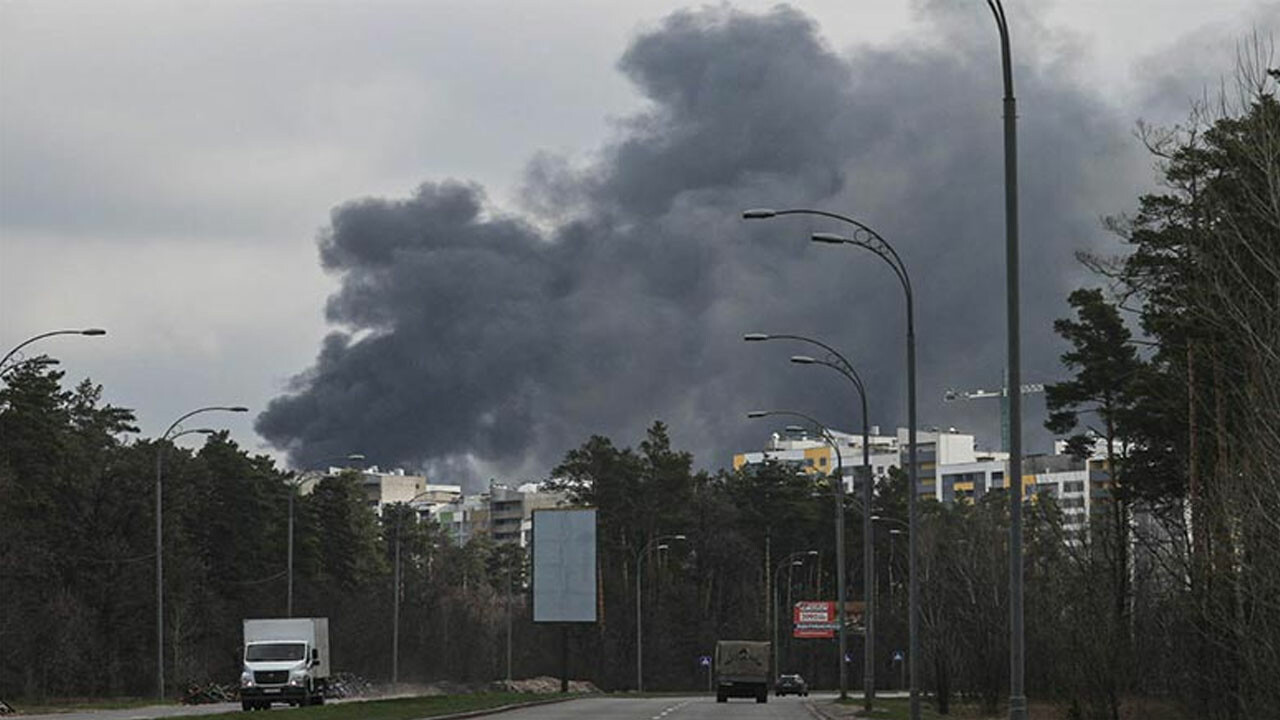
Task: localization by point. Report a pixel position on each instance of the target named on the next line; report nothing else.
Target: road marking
(670, 709)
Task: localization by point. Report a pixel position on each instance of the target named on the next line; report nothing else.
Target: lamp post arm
(843, 361)
(41, 336)
(885, 252)
(851, 376)
(28, 341)
(997, 9)
(167, 433)
(881, 247)
(886, 518)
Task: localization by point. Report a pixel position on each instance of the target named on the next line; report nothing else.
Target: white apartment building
(802, 448)
(382, 488)
(951, 467)
(396, 486)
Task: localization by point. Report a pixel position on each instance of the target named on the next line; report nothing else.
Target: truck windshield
(275, 651)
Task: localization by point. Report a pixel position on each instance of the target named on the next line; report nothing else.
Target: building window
(822, 462)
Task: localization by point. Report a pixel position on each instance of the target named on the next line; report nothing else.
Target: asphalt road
(594, 708)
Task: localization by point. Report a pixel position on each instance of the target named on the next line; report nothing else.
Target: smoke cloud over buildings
(472, 338)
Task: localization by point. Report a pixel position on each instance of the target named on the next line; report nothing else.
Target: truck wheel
(762, 698)
(247, 706)
(721, 698)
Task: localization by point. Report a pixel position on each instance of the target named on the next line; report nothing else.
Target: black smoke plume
(479, 340)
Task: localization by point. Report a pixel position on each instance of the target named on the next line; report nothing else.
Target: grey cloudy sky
(167, 167)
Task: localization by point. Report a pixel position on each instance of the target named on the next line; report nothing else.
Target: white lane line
(668, 710)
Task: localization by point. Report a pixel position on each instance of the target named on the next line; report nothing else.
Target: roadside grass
(55, 705)
(894, 709)
(408, 708)
(900, 709)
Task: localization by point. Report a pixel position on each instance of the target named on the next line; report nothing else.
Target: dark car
(790, 684)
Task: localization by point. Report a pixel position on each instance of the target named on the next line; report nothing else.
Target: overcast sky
(167, 169)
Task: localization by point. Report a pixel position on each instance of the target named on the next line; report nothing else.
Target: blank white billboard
(564, 565)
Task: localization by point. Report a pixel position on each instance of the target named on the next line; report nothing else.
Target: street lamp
(887, 519)
(869, 239)
(89, 332)
(841, 364)
(838, 493)
(395, 612)
(1017, 694)
(893, 532)
(293, 490)
(660, 542)
(168, 436)
(790, 561)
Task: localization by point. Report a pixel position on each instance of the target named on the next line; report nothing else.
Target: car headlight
(298, 677)
(246, 679)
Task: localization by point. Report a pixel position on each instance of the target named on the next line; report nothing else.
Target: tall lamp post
(660, 543)
(169, 435)
(791, 560)
(1017, 694)
(841, 364)
(395, 611)
(90, 332)
(893, 532)
(868, 239)
(837, 486)
(293, 490)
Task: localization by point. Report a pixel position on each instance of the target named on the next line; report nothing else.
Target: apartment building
(511, 511)
(953, 468)
(503, 513)
(463, 518)
(813, 454)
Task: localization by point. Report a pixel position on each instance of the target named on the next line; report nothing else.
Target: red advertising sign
(814, 619)
(820, 619)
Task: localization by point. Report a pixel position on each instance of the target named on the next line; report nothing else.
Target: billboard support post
(564, 657)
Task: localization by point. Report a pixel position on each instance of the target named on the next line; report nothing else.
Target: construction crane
(1002, 394)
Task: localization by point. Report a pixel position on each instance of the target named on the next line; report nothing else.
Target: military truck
(742, 670)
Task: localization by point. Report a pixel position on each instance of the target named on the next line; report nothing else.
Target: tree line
(1168, 602)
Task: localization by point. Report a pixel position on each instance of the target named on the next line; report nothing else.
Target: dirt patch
(543, 685)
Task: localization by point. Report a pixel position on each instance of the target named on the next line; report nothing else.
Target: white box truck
(286, 660)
